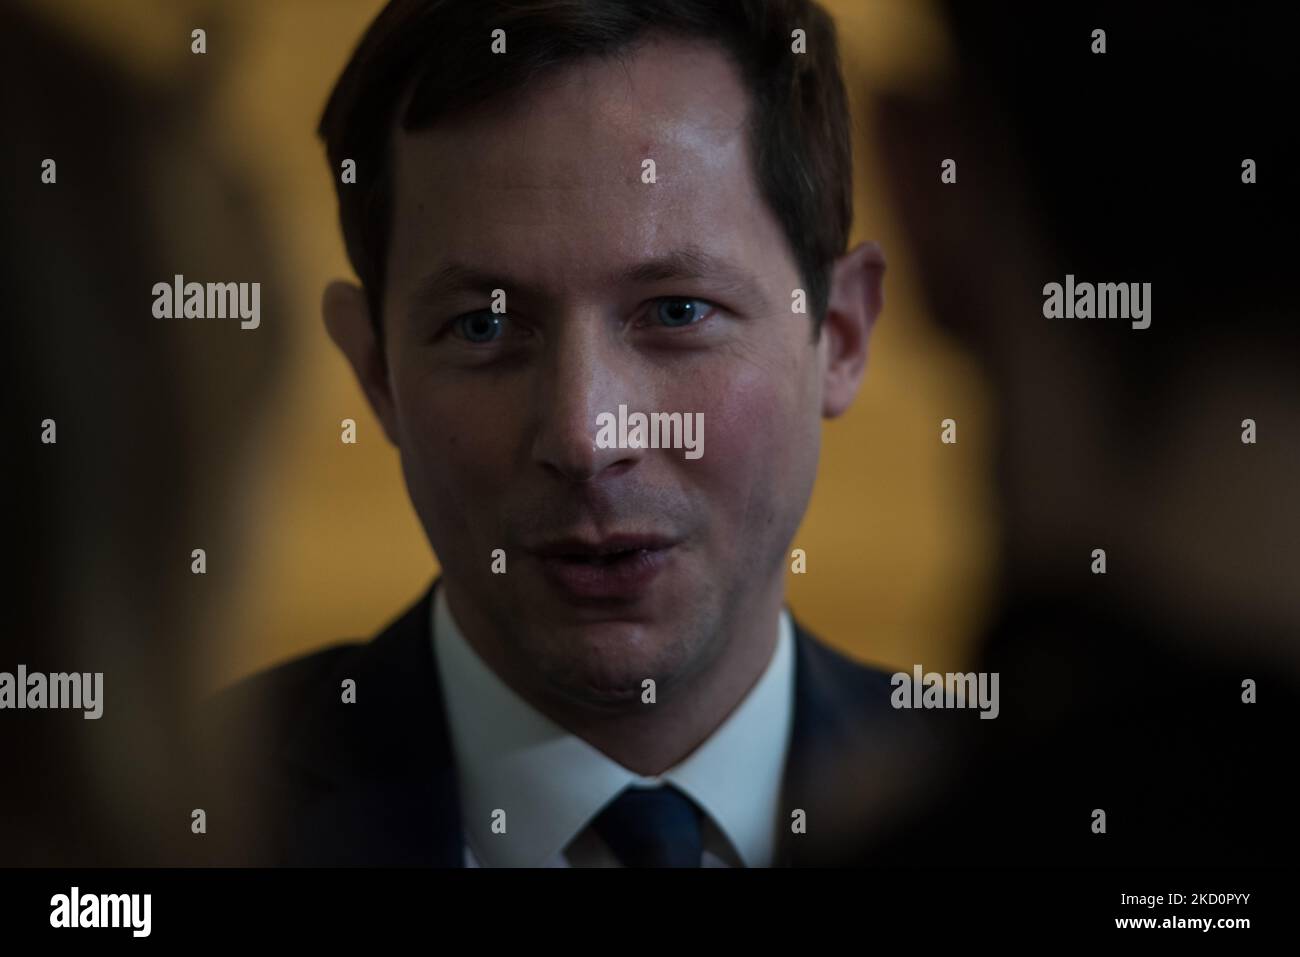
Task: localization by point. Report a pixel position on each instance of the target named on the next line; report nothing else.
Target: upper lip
(577, 546)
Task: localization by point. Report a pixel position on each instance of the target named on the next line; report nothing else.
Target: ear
(347, 319)
(856, 298)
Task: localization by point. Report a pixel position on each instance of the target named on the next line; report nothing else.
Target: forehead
(548, 180)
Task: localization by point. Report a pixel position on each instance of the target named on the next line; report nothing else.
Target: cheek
(452, 449)
(761, 438)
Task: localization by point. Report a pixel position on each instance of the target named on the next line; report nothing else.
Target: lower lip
(622, 579)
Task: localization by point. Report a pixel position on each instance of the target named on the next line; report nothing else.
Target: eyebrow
(685, 262)
(692, 262)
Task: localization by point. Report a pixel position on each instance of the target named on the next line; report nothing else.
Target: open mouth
(603, 558)
(616, 569)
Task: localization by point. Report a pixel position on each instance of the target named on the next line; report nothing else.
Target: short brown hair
(438, 50)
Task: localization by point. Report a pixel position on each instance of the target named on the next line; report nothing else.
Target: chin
(606, 664)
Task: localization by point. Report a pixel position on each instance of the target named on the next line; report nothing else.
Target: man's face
(496, 415)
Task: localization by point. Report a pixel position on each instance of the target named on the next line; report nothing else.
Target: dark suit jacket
(300, 778)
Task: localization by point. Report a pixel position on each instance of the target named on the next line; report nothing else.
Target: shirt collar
(551, 783)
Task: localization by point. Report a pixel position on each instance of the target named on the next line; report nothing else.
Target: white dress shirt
(551, 783)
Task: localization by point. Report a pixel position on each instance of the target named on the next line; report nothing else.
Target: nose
(584, 375)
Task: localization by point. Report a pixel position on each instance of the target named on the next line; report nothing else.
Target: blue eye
(480, 327)
(681, 312)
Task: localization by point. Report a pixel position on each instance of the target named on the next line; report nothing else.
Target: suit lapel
(812, 720)
(842, 723)
(378, 783)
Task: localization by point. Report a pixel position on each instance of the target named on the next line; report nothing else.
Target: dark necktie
(652, 827)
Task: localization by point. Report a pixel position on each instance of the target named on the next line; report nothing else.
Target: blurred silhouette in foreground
(151, 418)
(1121, 692)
